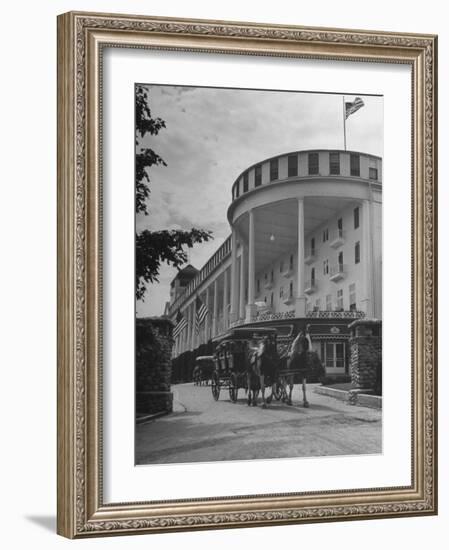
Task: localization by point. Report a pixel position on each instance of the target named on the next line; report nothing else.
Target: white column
(242, 284)
(225, 299)
(367, 302)
(189, 327)
(234, 303)
(215, 309)
(207, 320)
(193, 331)
(251, 307)
(185, 332)
(300, 308)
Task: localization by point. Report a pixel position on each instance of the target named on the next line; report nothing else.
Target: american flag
(201, 313)
(181, 324)
(351, 108)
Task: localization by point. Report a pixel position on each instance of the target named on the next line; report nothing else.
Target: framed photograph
(246, 274)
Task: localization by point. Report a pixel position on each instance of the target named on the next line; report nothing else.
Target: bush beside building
(153, 365)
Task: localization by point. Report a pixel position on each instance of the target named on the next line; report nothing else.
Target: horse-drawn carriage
(235, 357)
(248, 358)
(203, 370)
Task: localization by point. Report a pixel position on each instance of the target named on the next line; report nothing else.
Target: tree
(155, 247)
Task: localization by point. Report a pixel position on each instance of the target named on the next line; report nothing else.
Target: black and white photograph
(258, 274)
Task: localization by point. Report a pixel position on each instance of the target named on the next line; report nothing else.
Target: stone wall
(153, 366)
(366, 355)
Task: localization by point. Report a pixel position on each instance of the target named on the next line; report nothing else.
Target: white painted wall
(28, 222)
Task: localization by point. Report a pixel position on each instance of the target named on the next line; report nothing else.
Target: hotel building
(305, 248)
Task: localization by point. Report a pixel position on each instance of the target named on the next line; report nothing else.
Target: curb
(150, 417)
(352, 397)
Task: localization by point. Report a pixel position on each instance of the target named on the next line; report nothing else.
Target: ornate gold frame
(81, 37)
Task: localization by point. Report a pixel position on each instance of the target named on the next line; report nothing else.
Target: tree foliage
(155, 247)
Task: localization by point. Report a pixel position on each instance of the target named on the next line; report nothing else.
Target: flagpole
(344, 121)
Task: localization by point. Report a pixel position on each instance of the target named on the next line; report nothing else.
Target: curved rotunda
(305, 245)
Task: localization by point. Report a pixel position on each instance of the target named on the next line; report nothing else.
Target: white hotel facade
(305, 247)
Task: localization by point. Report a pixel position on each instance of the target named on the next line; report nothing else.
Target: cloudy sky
(213, 134)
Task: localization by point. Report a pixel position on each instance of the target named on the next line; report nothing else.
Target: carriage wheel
(233, 388)
(215, 386)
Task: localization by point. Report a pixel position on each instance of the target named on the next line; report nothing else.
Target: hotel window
(266, 277)
(326, 267)
(281, 292)
(325, 235)
(291, 262)
(312, 276)
(329, 302)
(352, 298)
(333, 355)
(317, 305)
(340, 227)
(373, 174)
(265, 299)
(356, 217)
(274, 169)
(334, 164)
(258, 175)
(245, 182)
(291, 289)
(237, 190)
(313, 163)
(292, 166)
(272, 277)
(357, 252)
(340, 300)
(271, 300)
(340, 259)
(312, 247)
(355, 165)
(258, 286)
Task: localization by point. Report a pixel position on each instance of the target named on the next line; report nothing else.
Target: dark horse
(263, 363)
(297, 362)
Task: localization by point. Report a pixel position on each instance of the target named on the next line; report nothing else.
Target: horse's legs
(290, 390)
(304, 382)
(262, 387)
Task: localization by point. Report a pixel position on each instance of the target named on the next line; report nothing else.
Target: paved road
(202, 430)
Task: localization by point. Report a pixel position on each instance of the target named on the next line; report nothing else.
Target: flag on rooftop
(181, 324)
(352, 107)
(201, 313)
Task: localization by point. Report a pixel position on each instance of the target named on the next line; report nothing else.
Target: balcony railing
(275, 316)
(309, 257)
(310, 287)
(337, 272)
(269, 284)
(288, 272)
(337, 238)
(328, 314)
